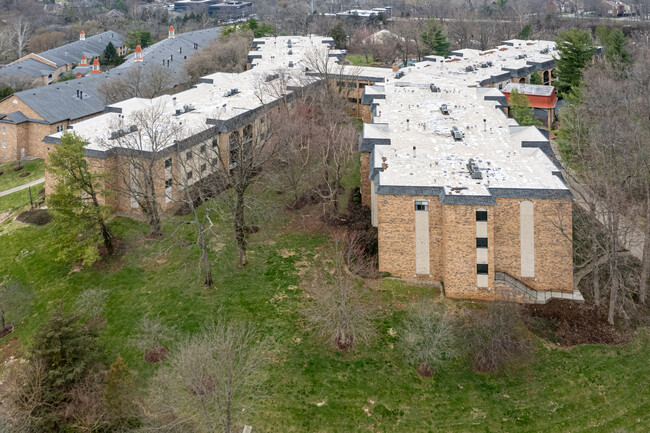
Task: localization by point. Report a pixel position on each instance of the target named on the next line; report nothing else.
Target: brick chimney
(172, 32)
(84, 61)
(95, 67)
(138, 54)
(82, 36)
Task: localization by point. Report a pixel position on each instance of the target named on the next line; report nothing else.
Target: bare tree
(142, 137)
(20, 35)
(227, 53)
(90, 304)
(339, 308)
(15, 300)
(45, 41)
(211, 381)
(428, 338)
(152, 334)
(140, 81)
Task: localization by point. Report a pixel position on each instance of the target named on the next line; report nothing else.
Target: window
(58, 128)
(188, 155)
(482, 269)
(215, 161)
(4, 131)
(422, 205)
(168, 183)
(353, 100)
(189, 174)
(481, 243)
(203, 148)
(481, 215)
(203, 167)
(168, 162)
(4, 144)
(362, 85)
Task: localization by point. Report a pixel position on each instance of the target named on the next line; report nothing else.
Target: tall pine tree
(576, 49)
(434, 39)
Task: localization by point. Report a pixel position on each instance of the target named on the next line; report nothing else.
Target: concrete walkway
(21, 187)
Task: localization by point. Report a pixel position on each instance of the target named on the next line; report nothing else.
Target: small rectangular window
(215, 161)
(188, 155)
(189, 175)
(481, 215)
(353, 100)
(168, 162)
(482, 269)
(481, 243)
(168, 183)
(4, 144)
(362, 85)
(422, 205)
(3, 130)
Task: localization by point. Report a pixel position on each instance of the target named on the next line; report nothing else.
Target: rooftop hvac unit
(434, 88)
(188, 107)
(544, 51)
(520, 56)
(444, 110)
(290, 52)
(470, 68)
(291, 64)
(231, 92)
(399, 75)
(456, 134)
(474, 171)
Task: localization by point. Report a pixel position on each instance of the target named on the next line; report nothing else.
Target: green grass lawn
(19, 199)
(313, 388)
(360, 60)
(10, 178)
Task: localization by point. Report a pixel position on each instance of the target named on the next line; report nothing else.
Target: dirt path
(21, 187)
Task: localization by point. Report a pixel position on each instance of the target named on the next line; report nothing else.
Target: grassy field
(19, 199)
(360, 60)
(313, 388)
(10, 178)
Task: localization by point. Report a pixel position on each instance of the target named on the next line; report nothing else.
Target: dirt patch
(425, 370)
(113, 262)
(24, 174)
(10, 349)
(7, 330)
(38, 217)
(568, 323)
(157, 354)
(18, 168)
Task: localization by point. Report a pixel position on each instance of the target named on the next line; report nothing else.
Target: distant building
(48, 66)
(386, 12)
(27, 117)
(228, 10)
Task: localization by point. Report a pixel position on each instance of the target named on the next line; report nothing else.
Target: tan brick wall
(553, 250)
(7, 105)
(396, 234)
(453, 251)
(365, 181)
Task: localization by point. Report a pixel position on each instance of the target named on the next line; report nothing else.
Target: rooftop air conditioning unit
(434, 88)
(544, 51)
(444, 110)
(473, 169)
(399, 75)
(456, 134)
(291, 64)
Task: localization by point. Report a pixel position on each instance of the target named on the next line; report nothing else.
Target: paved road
(21, 187)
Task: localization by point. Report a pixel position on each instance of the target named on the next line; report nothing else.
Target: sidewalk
(21, 187)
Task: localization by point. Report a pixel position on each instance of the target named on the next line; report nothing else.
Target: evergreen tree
(526, 32)
(338, 34)
(575, 48)
(521, 109)
(76, 202)
(535, 78)
(6, 91)
(119, 394)
(110, 54)
(434, 39)
(139, 37)
(615, 51)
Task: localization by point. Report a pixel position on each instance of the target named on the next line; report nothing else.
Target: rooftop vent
(444, 110)
(122, 132)
(474, 171)
(486, 64)
(544, 51)
(520, 56)
(290, 52)
(399, 75)
(456, 134)
(291, 64)
(231, 92)
(434, 88)
(470, 68)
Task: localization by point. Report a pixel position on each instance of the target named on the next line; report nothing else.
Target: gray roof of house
(175, 50)
(30, 67)
(66, 54)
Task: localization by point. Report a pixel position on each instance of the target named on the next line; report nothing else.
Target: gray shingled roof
(66, 54)
(175, 50)
(58, 101)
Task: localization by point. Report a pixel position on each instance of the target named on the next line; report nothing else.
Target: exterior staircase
(535, 296)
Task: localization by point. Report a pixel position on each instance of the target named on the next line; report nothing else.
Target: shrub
(496, 336)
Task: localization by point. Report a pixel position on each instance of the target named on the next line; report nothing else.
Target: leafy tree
(6, 91)
(434, 40)
(338, 34)
(535, 78)
(615, 51)
(76, 202)
(139, 37)
(526, 32)
(575, 48)
(521, 110)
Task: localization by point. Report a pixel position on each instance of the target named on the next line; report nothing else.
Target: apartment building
(459, 192)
